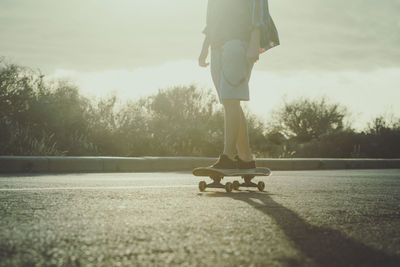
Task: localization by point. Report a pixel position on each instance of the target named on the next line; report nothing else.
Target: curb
(31, 164)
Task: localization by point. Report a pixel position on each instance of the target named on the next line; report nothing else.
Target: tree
(304, 120)
(382, 138)
(184, 120)
(38, 118)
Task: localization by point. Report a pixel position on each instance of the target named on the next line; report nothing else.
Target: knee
(231, 104)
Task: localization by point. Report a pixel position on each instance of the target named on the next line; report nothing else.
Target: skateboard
(218, 174)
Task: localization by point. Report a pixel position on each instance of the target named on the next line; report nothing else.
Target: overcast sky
(109, 39)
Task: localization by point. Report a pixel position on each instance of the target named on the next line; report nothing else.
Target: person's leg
(236, 131)
(242, 142)
(232, 125)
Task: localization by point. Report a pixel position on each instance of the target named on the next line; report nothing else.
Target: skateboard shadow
(325, 246)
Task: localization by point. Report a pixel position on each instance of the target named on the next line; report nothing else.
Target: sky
(346, 50)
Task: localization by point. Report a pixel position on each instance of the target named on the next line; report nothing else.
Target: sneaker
(224, 162)
(243, 165)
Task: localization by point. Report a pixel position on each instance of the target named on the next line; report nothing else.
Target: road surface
(304, 218)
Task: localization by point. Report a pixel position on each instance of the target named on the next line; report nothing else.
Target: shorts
(231, 71)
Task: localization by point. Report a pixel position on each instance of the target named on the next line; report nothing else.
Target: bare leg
(242, 142)
(236, 132)
(232, 125)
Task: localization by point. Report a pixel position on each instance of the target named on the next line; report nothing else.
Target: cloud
(336, 35)
(100, 35)
(139, 82)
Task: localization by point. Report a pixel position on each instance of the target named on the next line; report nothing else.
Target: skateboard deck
(218, 174)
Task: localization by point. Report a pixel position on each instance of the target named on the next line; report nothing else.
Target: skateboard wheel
(261, 186)
(228, 187)
(235, 185)
(202, 186)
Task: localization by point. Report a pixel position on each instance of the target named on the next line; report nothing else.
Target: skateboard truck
(248, 183)
(215, 184)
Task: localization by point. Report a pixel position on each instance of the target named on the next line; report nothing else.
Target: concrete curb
(26, 164)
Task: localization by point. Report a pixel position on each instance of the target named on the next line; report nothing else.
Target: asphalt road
(304, 218)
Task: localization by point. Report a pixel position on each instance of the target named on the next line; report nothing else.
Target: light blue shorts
(231, 71)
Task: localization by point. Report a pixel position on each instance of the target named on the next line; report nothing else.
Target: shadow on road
(326, 247)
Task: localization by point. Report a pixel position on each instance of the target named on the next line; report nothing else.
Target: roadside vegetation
(53, 118)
